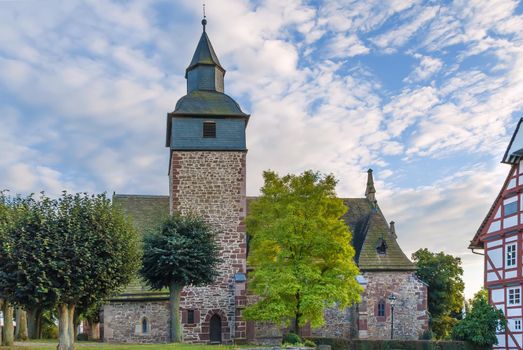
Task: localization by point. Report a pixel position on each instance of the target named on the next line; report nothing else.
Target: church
(207, 176)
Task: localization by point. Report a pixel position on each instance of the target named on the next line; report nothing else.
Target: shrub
(291, 338)
(427, 335)
(309, 343)
(49, 331)
(82, 337)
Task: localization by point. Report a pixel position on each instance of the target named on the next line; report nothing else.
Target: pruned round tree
(300, 250)
(75, 249)
(182, 252)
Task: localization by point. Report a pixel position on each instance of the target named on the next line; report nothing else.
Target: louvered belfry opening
(209, 129)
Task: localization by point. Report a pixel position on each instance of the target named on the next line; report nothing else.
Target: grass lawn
(47, 345)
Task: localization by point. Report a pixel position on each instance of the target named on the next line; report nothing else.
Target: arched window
(381, 308)
(145, 325)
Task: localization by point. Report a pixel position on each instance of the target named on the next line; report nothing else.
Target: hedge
(360, 344)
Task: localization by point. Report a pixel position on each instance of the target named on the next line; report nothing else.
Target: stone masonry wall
(338, 323)
(122, 322)
(211, 184)
(410, 309)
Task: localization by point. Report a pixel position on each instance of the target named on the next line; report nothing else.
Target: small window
(145, 325)
(511, 255)
(517, 325)
(510, 208)
(209, 129)
(514, 296)
(381, 247)
(190, 316)
(381, 308)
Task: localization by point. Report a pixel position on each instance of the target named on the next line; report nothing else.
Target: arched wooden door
(215, 329)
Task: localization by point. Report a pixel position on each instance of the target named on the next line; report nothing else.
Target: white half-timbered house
(501, 237)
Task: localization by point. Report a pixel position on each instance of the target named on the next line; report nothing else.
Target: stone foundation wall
(122, 322)
(211, 184)
(410, 309)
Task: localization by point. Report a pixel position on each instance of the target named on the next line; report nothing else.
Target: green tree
(75, 249)
(443, 274)
(182, 252)
(300, 250)
(6, 221)
(480, 324)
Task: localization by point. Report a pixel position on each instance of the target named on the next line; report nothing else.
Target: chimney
(370, 192)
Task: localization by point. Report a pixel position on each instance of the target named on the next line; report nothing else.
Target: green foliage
(183, 251)
(291, 338)
(427, 335)
(480, 324)
(443, 274)
(300, 250)
(309, 343)
(77, 249)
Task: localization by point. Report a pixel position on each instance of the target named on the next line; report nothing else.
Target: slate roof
(204, 54)
(368, 226)
(367, 223)
(145, 212)
(208, 103)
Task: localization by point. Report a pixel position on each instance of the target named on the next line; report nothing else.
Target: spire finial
(370, 192)
(204, 20)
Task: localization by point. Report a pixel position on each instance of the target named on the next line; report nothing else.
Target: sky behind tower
(426, 93)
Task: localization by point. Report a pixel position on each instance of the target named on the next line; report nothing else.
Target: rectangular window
(381, 308)
(510, 208)
(209, 129)
(190, 316)
(514, 296)
(511, 255)
(517, 325)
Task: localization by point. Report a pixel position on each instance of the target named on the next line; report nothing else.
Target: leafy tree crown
(182, 251)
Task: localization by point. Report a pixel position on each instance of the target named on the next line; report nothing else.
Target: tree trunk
(33, 322)
(72, 328)
(297, 315)
(174, 312)
(21, 324)
(65, 323)
(8, 334)
(94, 330)
(22, 334)
(17, 321)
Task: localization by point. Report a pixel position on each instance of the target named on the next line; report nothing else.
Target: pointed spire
(370, 192)
(205, 71)
(393, 229)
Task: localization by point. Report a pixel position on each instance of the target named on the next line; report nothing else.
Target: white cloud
(428, 66)
(396, 38)
(346, 46)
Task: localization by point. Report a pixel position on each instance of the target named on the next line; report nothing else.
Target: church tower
(206, 139)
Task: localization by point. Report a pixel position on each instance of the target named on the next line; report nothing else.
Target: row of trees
(66, 254)
(72, 253)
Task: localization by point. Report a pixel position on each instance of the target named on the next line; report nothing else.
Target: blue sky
(427, 93)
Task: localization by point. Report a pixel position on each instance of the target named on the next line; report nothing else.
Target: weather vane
(204, 21)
